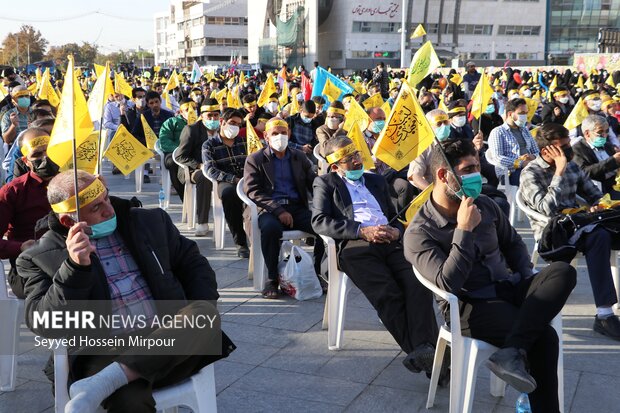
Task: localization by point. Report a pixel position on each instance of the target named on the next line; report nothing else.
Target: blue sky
(59, 23)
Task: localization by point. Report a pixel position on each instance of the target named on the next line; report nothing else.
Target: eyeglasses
(354, 156)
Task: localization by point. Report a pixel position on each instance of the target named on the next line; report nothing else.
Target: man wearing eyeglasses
(355, 209)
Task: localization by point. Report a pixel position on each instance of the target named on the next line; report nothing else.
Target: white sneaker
(202, 230)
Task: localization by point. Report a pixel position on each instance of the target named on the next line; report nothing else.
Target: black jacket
(596, 170)
(190, 145)
(548, 116)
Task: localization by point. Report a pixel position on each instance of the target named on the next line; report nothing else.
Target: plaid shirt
(129, 292)
(548, 194)
(301, 133)
(504, 148)
(224, 163)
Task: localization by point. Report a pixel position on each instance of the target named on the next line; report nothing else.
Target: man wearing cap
(278, 179)
(250, 109)
(355, 209)
(16, 120)
(23, 201)
(559, 108)
(135, 262)
(189, 153)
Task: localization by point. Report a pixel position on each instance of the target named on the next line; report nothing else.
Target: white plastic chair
(336, 301)
(534, 215)
(510, 191)
(189, 195)
(165, 175)
(10, 322)
(197, 392)
(322, 163)
(256, 266)
(219, 219)
(467, 354)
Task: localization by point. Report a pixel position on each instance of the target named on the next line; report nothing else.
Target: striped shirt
(504, 148)
(224, 163)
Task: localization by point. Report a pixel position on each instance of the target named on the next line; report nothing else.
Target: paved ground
(282, 363)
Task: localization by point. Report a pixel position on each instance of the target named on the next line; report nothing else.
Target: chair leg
(458, 366)
(191, 208)
(498, 386)
(615, 274)
(469, 386)
(535, 254)
(10, 323)
(556, 323)
(440, 350)
(205, 392)
(336, 309)
(139, 173)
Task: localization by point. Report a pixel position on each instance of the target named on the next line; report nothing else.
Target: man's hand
(478, 141)
(596, 208)
(78, 244)
(379, 234)
(14, 118)
(286, 219)
(558, 158)
(307, 148)
(468, 216)
(557, 111)
(27, 244)
(123, 108)
(617, 157)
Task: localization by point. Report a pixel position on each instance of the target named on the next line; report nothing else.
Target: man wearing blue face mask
(462, 242)
(511, 145)
(15, 120)
(355, 209)
(303, 128)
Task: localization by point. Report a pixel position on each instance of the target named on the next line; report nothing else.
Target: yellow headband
(440, 118)
(592, 96)
(188, 105)
(21, 93)
(560, 93)
(341, 153)
(458, 109)
(33, 144)
(347, 99)
(336, 110)
(607, 102)
(274, 123)
(273, 99)
(249, 104)
(209, 108)
(87, 195)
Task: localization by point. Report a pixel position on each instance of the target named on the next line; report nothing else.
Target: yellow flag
(72, 122)
(121, 86)
(126, 152)
(149, 135)
(577, 115)
(32, 88)
(241, 77)
(230, 99)
(212, 95)
(482, 94)
(38, 75)
(356, 135)
(295, 72)
(418, 32)
(457, 79)
(330, 90)
(442, 104)
(98, 69)
(424, 61)
(386, 108)
(235, 94)
(253, 142)
(537, 96)
(156, 69)
(173, 82)
(610, 81)
(46, 91)
(268, 90)
(284, 95)
(3, 92)
(221, 95)
(532, 105)
(579, 82)
(407, 133)
(87, 155)
(374, 101)
(356, 114)
(535, 131)
(552, 87)
(359, 87)
(417, 203)
(294, 107)
(99, 95)
(589, 84)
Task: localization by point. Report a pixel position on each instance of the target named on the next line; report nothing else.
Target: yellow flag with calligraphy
(407, 133)
(149, 135)
(356, 135)
(577, 115)
(72, 121)
(418, 32)
(268, 90)
(417, 203)
(121, 86)
(46, 91)
(481, 96)
(387, 109)
(356, 114)
(330, 90)
(173, 82)
(532, 105)
(423, 63)
(126, 152)
(375, 101)
(99, 95)
(253, 143)
(87, 155)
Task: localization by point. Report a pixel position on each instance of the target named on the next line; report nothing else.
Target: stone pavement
(282, 363)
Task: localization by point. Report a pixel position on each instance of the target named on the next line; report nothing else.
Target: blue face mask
(211, 124)
(305, 119)
(490, 109)
(442, 132)
(103, 229)
(471, 185)
(355, 174)
(377, 126)
(599, 141)
(23, 102)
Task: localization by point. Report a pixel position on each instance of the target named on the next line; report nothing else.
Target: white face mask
(595, 104)
(141, 102)
(279, 142)
(521, 121)
(300, 96)
(272, 107)
(230, 131)
(527, 93)
(563, 100)
(459, 121)
(333, 123)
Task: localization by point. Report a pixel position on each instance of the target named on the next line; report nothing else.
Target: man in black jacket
(557, 110)
(596, 155)
(131, 259)
(355, 209)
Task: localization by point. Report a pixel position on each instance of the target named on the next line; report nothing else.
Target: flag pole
(75, 179)
(104, 100)
(482, 78)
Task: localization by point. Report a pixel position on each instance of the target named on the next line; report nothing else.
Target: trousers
(203, 194)
(233, 211)
(174, 174)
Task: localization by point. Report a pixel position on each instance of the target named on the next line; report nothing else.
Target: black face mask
(568, 152)
(428, 107)
(44, 168)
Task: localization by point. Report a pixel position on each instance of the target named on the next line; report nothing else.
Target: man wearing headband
(250, 109)
(277, 179)
(334, 121)
(559, 108)
(23, 201)
(355, 209)
(16, 120)
(464, 244)
(190, 155)
(135, 259)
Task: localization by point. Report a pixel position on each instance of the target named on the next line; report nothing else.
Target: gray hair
(434, 113)
(592, 122)
(61, 187)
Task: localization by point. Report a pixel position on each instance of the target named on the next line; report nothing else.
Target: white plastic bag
(297, 276)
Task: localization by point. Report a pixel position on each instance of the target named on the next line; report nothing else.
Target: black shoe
(421, 358)
(146, 179)
(509, 365)
(609, 326)
(243, 251)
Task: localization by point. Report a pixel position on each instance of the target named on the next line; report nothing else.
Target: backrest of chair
(332, 261)
(4, 287)
(61, 376)
(158, 148)
(318, 156)
(174, 158)
(531, 214)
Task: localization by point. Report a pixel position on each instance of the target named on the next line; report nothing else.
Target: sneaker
(243, 251)
(509, 365)
(146, 179)
(202, 230)
(421, 358)
(608, 326)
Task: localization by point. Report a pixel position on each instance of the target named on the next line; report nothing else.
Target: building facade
(208, 31)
